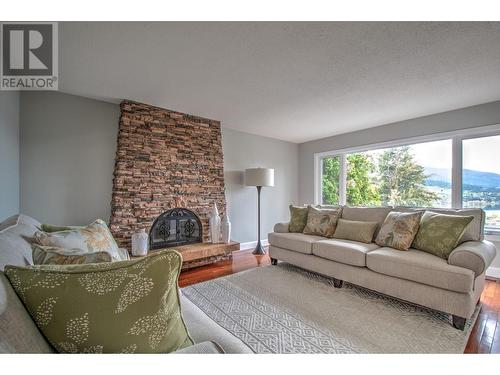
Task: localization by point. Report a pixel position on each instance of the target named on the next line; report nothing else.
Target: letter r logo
(27, 49)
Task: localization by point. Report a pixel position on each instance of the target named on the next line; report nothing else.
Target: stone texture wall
(164, 159)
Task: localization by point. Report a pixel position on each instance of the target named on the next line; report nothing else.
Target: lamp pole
(259, 250)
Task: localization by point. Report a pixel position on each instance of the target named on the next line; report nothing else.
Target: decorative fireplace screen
(175, 227)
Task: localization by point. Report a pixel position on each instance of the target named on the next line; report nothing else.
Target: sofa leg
(274, 261)
(338, 283)
(459, 322)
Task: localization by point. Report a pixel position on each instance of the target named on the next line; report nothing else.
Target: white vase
(226, 229)
(214, 225)
(140, 243)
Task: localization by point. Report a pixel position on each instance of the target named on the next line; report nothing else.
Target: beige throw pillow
(93, 238)
(399, 230)
(361, 231)
(60, 256)
(321, 222)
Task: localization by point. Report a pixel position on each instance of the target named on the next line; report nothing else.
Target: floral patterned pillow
(93, 238)
(58, 255)
(399, 230)
(321, 222)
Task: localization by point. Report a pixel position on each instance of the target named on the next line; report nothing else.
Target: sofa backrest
(473, 232)
(18, 332)
(475, 229)
(15, 240)
(377, 214)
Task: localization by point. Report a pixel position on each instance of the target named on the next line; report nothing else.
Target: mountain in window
(441, 177)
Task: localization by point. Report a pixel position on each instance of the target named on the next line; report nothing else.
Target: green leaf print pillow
(439, 234)
(120, 307)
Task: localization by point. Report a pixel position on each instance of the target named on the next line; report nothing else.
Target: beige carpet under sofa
(452, 286)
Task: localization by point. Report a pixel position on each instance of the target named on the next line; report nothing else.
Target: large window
(462, 170)
(481, 177)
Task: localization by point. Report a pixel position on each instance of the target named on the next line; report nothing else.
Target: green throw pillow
(298, 219)
(58, 255)
(321, 222)
(360, 231)
(121, 307)
(439, 234)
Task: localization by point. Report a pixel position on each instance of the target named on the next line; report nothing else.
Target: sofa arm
(281, 228)
(473, 255)
(206, 347)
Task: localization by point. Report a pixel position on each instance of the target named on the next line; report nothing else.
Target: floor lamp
(259, 177)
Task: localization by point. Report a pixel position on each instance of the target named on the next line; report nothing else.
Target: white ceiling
(291, 81)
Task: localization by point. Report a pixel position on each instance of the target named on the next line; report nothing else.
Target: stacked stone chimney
(164, 159)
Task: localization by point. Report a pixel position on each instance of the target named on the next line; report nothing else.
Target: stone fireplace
(165, 161)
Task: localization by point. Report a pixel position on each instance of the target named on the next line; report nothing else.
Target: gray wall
(9, 154)
(68, 146)
(241, 151)
(480, 115)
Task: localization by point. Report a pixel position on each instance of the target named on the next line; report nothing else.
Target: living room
(250, 187)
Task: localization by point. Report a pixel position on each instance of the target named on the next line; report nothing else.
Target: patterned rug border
(316, 335)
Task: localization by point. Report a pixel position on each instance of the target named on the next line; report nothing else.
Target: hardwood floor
(484, 337)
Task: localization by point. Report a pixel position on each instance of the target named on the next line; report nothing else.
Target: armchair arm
(473, 255)
(206, 347)
(281, 228)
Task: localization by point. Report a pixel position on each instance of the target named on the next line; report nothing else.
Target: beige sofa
(452, 286)
(19, 334)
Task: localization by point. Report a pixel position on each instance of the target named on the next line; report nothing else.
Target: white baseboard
(251, 245)
(493, 273)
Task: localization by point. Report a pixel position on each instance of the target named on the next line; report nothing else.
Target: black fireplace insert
(175, 227)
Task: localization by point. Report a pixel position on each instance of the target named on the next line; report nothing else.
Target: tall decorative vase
(140, 243)
(226, 229)
(214, 224)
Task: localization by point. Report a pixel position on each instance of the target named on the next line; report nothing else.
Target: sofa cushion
(343, 251)
(15, 240)
(301, 243)
(422, 267)
(475, 229)
(18, 332)
(377, 214)
(118, 307)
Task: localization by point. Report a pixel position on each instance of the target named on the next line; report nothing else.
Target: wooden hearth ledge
(201, 254)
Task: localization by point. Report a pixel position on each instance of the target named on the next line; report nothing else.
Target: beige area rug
(283, 309)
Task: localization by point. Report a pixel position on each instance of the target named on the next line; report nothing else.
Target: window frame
(457, 137)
